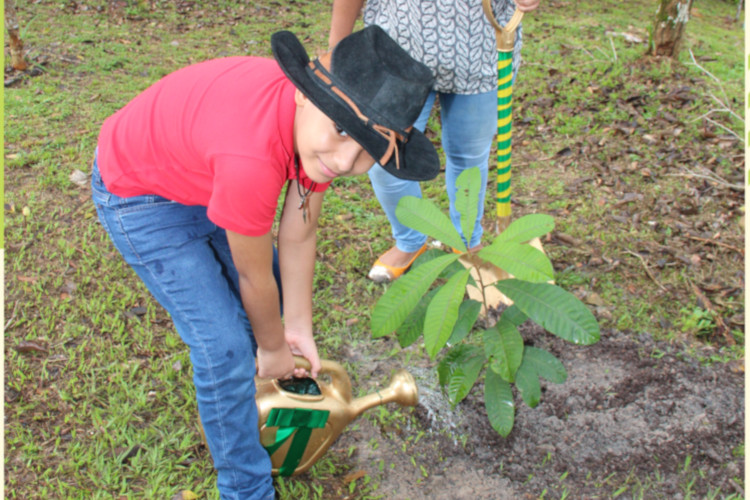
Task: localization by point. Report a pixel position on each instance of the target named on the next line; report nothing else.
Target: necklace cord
(304, 201)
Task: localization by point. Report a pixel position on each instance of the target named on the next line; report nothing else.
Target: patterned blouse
(452, 37)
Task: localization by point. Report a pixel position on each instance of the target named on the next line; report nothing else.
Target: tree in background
(669, 26)
(14, 39)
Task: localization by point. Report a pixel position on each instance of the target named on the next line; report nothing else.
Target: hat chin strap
(320, 69)
(391, 136)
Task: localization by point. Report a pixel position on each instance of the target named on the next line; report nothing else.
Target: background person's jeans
(469, 123)
(184, 260)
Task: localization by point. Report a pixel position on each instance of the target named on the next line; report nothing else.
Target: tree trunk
(14, 40)
(669, 26)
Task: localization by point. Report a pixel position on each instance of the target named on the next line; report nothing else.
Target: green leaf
(527, 228)
(442, 312)
(503, 346)
(450, 270)
(424, 216)
(468, 312)
(527, 382)
(498, 400)
(468, 185)
(521, 260)
(455, 267)
(556, 310)
(514, 315)
(454, 358)
(404, 294)
(428, 255)
(545, 364)
(411, 329)
(459, 370)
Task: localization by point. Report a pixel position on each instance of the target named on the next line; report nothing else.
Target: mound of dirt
(632, 414)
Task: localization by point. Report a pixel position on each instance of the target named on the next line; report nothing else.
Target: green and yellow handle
(506, 37)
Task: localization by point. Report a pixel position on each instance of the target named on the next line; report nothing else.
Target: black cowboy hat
(371, 88)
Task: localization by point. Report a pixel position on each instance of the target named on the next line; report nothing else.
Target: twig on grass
(706, 304)
(586, 51)
(12, 317)
(604, 53)
(523, 164)
(692, 56)
(717, 243)
(724, 107)
(736, 486)
(648, 271)
(709, 120)
(711, 177)
(612, 44)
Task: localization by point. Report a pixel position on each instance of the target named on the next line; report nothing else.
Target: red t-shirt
(217, 134)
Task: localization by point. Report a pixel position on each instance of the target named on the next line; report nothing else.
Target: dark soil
(634, 416)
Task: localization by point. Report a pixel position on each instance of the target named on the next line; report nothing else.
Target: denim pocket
(99, 192)
(103, 197)
(100, 195)
(134, 204)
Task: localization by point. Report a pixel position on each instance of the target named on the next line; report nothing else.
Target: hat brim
(418, 159)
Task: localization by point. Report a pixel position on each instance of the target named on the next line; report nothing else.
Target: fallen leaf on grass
(80, 178)
(11, 395)
(136, 312)
(184, 495)
(629, 37)
(649, 139)
(129, 454)
(567, 239)
(353, 476)
(594, 299)
(29, 346)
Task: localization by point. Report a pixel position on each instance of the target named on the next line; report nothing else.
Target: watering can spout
(402, 390)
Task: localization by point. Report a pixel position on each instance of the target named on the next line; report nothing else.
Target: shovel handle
(505, 35)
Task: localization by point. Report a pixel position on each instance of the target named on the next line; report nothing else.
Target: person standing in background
(457, 42)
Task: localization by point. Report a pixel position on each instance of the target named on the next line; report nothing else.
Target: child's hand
(278, 363)
(303, 345)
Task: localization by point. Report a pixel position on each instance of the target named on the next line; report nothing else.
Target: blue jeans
(184, 260)
(469, 123)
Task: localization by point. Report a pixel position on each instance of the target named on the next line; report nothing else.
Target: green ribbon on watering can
(297, 421)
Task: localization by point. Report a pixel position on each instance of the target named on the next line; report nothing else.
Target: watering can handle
(506, 36)
(339, 378)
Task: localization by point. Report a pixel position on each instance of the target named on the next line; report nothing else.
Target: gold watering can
(299, 419)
